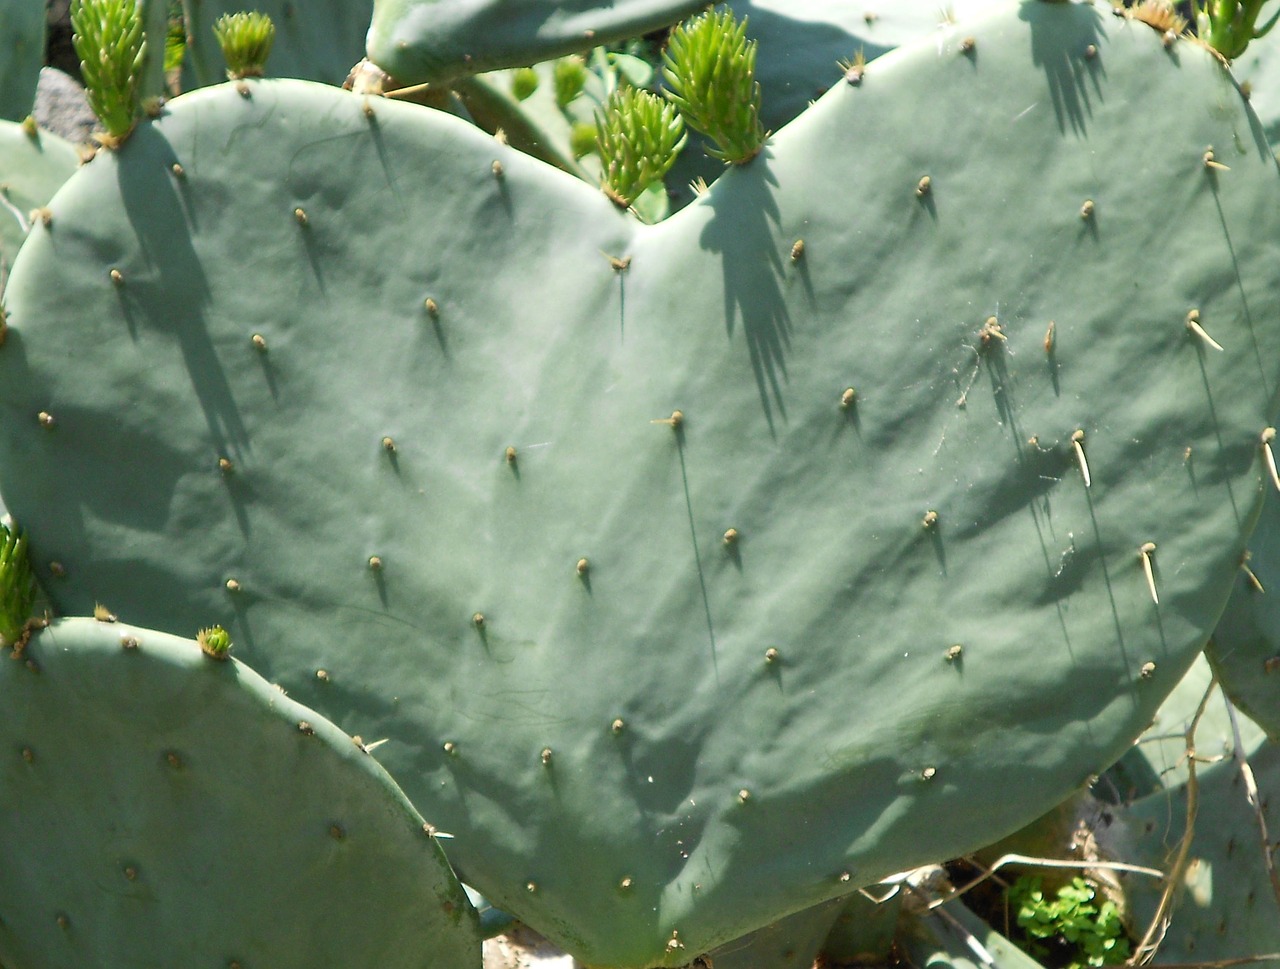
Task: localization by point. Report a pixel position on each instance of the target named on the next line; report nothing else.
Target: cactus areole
(661, 386)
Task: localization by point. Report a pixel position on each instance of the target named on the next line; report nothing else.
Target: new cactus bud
(112, 47)
(570, 75)
(638, 137)
(582, 139)
(523, 83)
(710, 69)
(214, 642)
(245, 39)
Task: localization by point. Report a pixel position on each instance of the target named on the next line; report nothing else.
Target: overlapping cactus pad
(33, 165)
(1225, 904)
(697, 572)
(435, 40)
(22, 29)
(1245, 649)
(166, 809)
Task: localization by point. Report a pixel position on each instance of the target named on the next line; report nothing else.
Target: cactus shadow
(243, 629)
(939, 549)
(744, 230)
(1217, 430)
(1212, 181)
(240, 493)
(697, 555)
(927, 202)
(993, 360)
(733, 552)
(178, 296)
(440, 336)
(853, 418)
(1107, 580)
(144, 487)
(806, 281)
(269, 375)
(312, 249)
(1059, 37)
(661, 774)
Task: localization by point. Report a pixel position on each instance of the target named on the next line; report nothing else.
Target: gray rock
(61, 106)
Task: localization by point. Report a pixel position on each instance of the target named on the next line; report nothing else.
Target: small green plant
(638, 137)
(245, 39)
(175, 40)
(17, 586)
(1090, 932)
(710, 69)
(112, 47)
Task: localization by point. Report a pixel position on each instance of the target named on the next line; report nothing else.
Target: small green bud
(215, 642)
(710, 68)
(638, 137)
(112, 47)
(570, 78)
(245, 39)
(582, 139)
(523, 83)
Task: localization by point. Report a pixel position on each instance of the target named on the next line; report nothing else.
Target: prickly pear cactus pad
(22, 27)
(1259, 68)
(697, 572)
(32, 168)
(802, 41)
(436, 40)
(1224, 906)
(161, 808)
(1245, 649)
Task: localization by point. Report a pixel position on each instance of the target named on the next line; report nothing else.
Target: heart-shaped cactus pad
(695, 572)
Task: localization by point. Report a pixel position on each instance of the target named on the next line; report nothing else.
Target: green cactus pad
(1259, 68)
(162, 810)
(22, 29)
(1158, 759)
(438, 40)
(1245, 649)
(864, 929)
(32, 168)
(802, 41)
(1224, 907)
(383, 397)
(802, 44)
(956, 938)
(790, 943)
